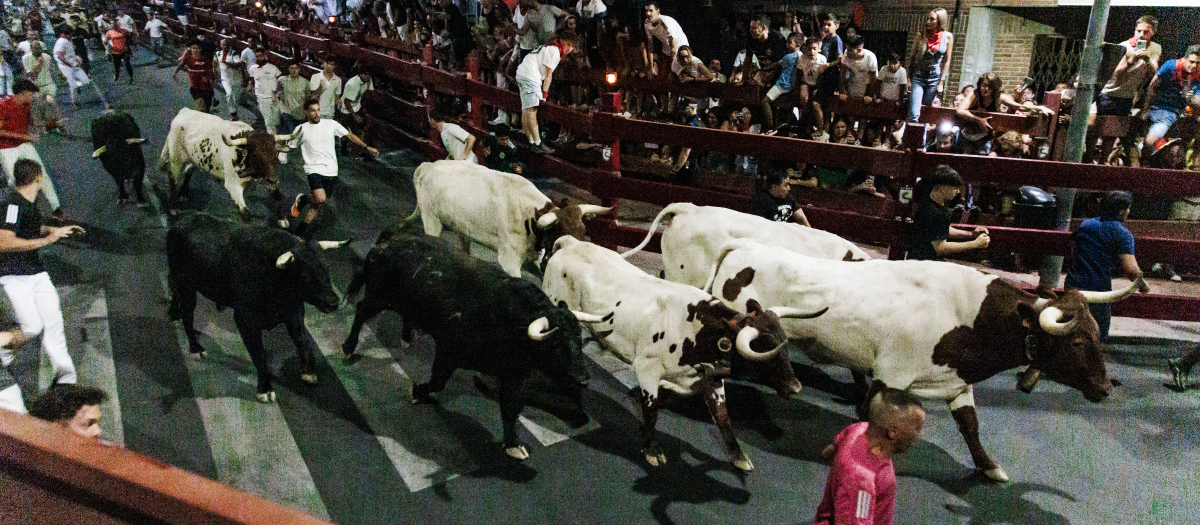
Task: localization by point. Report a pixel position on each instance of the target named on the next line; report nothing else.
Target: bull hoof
(996, 474)
(266, 397)
(309, 378)
(349, 359)
(656, 458)
(517, 452)
(743, 463)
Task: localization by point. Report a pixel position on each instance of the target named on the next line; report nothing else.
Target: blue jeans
(1161, 121)
(287, 123)
(923, 92)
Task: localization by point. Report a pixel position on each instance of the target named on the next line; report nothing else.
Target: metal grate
(1055, 59)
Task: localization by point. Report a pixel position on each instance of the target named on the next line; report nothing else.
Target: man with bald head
(861, 487)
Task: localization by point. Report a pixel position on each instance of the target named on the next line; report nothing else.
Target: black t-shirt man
(771, 207)
(24, 219)
(931, 222)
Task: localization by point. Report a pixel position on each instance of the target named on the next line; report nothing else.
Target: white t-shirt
(64, 53)
(891, 84)
(454, 137)
(155, 28)
(317, 145)
(670, 28)
(536, 62)
(596, 7)
(862, 71)
(332, 93)
(43, 78)
(230, 67)
(353, 93)
(676, 67)
(126, 23)
(23, 47)
(266, 79)
(808, 68)
(248, 58)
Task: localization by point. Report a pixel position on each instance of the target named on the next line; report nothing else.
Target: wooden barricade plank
(1035, 125)
(1044, 173)
(46, 464)
(444, 82)
(855, 107)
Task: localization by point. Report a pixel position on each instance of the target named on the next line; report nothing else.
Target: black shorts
(203, 94)
(1106, 105)
(321, 182)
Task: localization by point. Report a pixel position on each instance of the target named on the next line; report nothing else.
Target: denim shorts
(1161, 121)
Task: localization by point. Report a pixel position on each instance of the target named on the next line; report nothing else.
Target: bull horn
(329, 245)
(592, 209)
(135, 140)
(744, 338)
(1113, 296)
(283, 260)
(282, 137)
(1049, 319)
(585, 317)
(234, 142)
(99, 151)
(538, 329)
(1027, 379)
(785, 312)
(546, 220)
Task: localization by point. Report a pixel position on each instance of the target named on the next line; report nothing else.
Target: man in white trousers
(72, 68)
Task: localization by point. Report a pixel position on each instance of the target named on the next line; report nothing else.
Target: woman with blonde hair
(929, 62)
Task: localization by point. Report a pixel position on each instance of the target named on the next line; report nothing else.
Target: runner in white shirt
(352, 96)
(154, 27)
(71, 67)
(265, 78)
(459, 143)
(328, 86)
(533, 80)
(317, 139)
(229, 64)
(124, 21)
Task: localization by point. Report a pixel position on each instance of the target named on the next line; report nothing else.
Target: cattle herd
(739, 293)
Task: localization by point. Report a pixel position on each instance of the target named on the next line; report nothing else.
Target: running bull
(265, 274)
(500, 210)
(931, 328)
(231, 151)
(693, 235)
(480, 318)
(675, 336)
(118, 143)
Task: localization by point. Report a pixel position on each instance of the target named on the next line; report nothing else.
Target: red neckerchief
(559, 44)
(1133, 42)
(934, 41)
(1192, 77)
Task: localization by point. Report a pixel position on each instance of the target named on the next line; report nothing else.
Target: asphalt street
(354, 450)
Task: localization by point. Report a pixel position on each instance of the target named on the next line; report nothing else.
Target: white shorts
(531, 92)
(774, 92)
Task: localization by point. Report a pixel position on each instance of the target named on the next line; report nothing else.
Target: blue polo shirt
(1172, 94)
(1098, 246)
(788, 75)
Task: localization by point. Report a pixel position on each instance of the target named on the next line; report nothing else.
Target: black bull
(118, 143)
(479, 317)
(265, 274)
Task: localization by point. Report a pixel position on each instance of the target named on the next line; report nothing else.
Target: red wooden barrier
(1044, 173)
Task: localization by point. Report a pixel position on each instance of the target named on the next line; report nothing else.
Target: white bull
(502, 211)
(675, 336)
(931, 328)
(693, 235)
(231, 151)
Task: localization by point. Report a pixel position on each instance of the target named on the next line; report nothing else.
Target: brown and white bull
(675, 336)
(499, 210)
(931, 328)
(231, 151)
(693, 235)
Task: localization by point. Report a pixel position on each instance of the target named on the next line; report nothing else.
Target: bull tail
(666, 213)
(725, 249)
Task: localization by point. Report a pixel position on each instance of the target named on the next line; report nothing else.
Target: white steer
(931, 328)
(693, 235)
(675, 336)
(499, 210)
(231, 151)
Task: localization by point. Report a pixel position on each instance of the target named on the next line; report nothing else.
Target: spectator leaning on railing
(1174, 87)
(534, 76)
(665, 35)
(787, 66)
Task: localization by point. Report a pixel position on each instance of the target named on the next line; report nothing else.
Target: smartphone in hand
(1141, 44)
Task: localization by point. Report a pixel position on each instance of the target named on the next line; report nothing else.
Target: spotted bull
(500, 210)
(265, 274)
(118, 143)
(675, 336)
(480, 318)
(931, 328)
(231, 151)
(693, 235)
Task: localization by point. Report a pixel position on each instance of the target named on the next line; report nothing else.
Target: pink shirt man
(861, 488)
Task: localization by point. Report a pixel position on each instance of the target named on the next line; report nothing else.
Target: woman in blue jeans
(930, 59)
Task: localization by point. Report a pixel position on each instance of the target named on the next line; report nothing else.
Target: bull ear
(1045, 292)
(564, 203)
(1029, 314)
(283, 260)
(752, 307)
